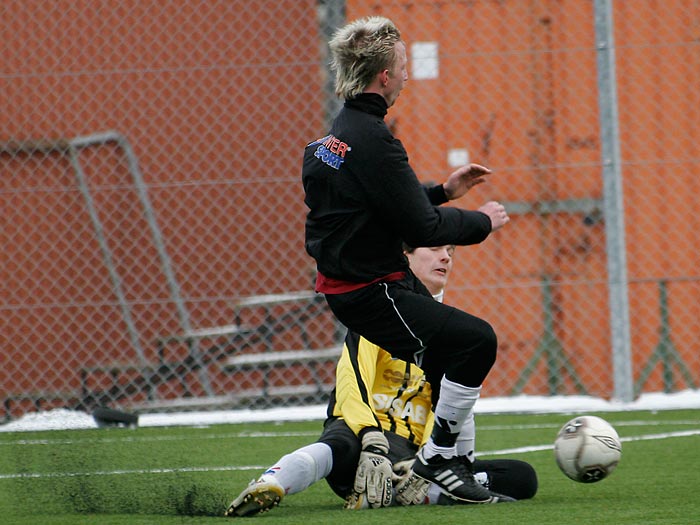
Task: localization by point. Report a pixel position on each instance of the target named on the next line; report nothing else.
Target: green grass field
(184, 475)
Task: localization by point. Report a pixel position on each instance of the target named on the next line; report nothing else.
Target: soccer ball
(587, 449)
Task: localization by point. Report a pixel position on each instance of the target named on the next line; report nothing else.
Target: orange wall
(525, 105)
(518, 87)
(202, 91)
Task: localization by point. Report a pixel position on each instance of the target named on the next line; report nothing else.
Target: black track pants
(403, 318)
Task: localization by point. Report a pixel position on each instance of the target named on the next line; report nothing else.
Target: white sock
(466, 441)
(302, 468)
(454, 407)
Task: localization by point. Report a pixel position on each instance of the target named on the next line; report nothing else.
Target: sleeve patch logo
(331, 151)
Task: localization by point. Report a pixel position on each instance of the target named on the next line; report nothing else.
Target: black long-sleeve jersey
(364, 199)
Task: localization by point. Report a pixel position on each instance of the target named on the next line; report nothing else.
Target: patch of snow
(62, 419)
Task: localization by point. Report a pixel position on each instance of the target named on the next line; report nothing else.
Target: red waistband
(336, 286)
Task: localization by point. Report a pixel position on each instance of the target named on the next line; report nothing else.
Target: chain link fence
(152, 212)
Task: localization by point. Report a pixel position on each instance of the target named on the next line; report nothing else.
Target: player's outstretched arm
(463, 179)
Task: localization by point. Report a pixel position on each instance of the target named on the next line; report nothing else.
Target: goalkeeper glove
(373, 476)
(410, 489)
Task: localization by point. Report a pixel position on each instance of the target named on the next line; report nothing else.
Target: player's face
(432, 266)
(398, 74)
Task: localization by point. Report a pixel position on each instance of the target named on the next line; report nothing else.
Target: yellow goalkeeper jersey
(375, 390)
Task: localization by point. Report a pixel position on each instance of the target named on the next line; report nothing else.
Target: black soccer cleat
(455, 477)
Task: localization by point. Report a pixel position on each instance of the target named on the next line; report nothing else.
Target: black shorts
(404, 319)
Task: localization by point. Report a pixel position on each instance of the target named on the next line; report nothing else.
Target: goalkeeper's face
(432, 266)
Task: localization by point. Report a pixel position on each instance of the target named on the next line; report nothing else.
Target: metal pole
(613, 203)
(115, 137)
(107, 254)
(331, 17)
(166, 264)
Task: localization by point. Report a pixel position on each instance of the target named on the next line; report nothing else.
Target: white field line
(646, 437)
(122, 472)
(256, 435)
(517, 450)
(638, 423)
(146, 439)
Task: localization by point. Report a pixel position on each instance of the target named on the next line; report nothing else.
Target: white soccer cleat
(259, 496)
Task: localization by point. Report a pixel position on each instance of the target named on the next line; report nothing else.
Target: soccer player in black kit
(364, 201)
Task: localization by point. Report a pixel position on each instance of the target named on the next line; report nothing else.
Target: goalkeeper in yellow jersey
(378, 417)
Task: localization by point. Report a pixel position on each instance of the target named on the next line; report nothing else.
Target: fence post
(613, 203)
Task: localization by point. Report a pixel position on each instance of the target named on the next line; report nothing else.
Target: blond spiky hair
(359, 51)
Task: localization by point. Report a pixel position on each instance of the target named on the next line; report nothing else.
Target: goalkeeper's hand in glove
(373, 476)
(410, 489)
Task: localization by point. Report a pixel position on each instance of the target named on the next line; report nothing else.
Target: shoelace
(459, 467)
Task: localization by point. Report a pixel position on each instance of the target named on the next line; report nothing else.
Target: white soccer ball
(587, 449)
